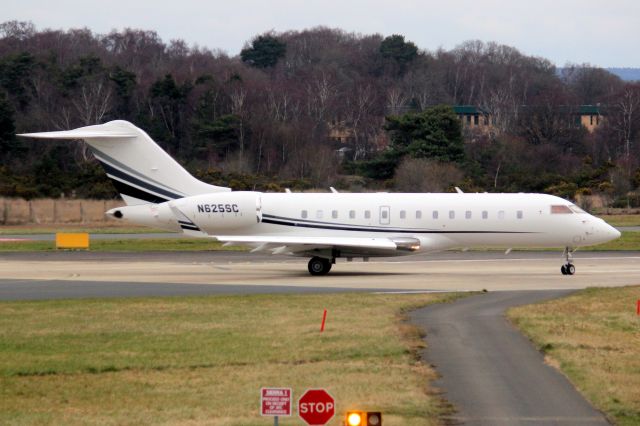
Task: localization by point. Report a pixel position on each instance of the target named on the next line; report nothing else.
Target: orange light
(354, 419)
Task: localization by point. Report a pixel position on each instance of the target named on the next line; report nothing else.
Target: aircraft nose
(609, 232)
(614, 232)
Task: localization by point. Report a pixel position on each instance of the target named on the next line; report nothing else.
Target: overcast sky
(602, 33)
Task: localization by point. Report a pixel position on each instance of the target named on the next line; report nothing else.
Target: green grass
(621, 219)
(629, 240)
(126, 245)
(203, 360)
(594, 338)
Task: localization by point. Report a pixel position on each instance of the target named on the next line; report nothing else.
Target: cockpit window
(561, 209)
(576, 209)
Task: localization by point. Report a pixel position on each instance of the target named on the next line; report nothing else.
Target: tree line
(264, 119)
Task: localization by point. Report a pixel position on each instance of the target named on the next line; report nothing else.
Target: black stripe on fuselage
(358, 227)
(134, 192)
(340, 227)
(131, 180)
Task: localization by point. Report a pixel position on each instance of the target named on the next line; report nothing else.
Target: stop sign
(316, 407)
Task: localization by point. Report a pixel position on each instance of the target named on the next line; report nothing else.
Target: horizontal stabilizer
(80, 134)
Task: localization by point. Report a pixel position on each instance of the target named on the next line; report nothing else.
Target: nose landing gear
(568, 268)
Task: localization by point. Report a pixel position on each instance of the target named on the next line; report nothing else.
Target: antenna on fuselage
(335, 191)
(458, 190)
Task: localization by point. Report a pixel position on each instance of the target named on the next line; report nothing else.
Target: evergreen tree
(264, 52)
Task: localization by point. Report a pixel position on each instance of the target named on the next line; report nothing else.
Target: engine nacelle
(221, 212)
(153, 215)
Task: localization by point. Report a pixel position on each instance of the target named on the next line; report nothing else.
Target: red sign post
(316, 407)
(275, 402)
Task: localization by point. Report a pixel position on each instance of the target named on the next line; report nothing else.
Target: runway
(88, 274)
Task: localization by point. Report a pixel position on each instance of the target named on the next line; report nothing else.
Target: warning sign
(275, 401)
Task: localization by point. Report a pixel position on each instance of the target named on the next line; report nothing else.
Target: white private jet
(161, 194)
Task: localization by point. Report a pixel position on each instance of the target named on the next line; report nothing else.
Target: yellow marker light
(354, 419)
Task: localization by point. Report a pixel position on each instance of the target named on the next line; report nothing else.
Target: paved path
(490, 372)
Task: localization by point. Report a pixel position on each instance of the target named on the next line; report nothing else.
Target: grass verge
(203, 360)
(594, 338)
(629, 240)
(127, 245)
(621, 219)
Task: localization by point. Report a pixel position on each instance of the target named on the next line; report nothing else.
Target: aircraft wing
(293, 244)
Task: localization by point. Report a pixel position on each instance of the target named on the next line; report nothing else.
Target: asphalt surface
(490, 372)
(11, 290)
(240, 272)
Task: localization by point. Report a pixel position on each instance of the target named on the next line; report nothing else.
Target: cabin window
(485, 214)
(334, 214)
(319, 214)
(561, 209)
(403, 214)
(519, 214)
(467, 214)
(418, 214)
(352, 214)
(303, 214)
(452, 214)
(501, 214)
(367, 214)
(435, 214)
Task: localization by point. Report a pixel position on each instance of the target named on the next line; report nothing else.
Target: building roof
(469, 110)
(589, 110)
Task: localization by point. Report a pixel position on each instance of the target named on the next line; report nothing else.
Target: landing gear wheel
(319, 266)
(568, 269)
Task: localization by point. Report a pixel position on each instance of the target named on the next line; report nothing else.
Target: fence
(15, 211)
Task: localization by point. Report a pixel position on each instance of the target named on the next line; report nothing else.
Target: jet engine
(221, 212)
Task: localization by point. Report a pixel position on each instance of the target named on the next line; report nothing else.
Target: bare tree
(420, 175)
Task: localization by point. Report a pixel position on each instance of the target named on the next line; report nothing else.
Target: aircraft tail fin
(141, 171)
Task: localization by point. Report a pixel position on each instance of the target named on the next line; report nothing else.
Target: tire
(319, 266)
(571, 269)
(563, 269)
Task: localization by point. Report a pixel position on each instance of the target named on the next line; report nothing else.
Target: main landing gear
(320, 265)
(568, 268)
